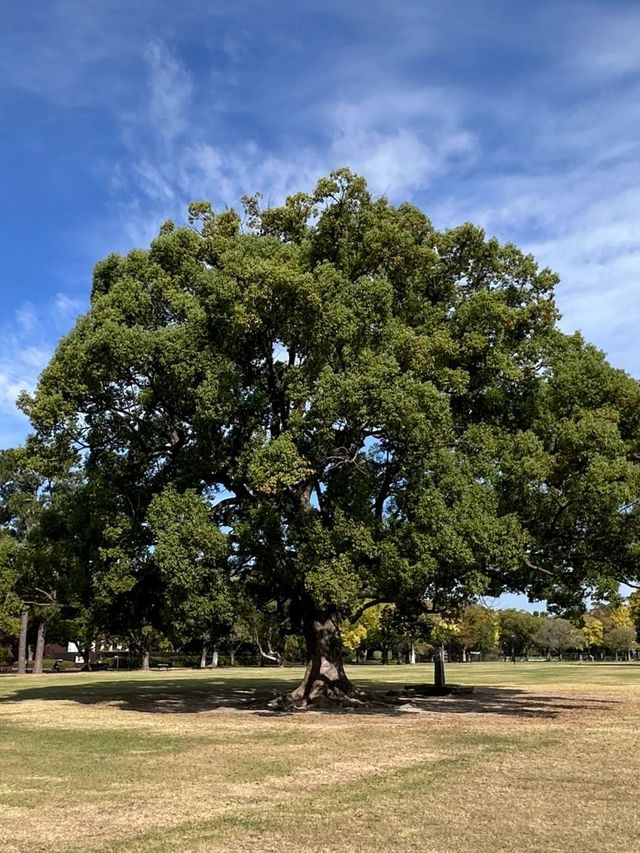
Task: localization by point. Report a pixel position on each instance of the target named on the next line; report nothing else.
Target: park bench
(163, 666)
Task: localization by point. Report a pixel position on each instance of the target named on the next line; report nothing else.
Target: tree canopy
(330, 404)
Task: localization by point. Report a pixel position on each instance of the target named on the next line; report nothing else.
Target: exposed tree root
(357, 699)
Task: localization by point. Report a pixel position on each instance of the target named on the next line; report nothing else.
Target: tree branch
(383, 494)
(361, 610)
(535, 568)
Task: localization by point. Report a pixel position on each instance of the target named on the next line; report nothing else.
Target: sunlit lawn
(541, 757)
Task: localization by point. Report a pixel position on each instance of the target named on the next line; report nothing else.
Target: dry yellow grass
(539, 758)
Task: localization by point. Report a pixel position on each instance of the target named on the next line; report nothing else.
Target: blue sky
(522, 117)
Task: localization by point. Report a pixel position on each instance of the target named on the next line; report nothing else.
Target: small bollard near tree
(439, 680)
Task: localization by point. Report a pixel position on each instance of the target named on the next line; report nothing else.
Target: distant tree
(366, 635)
(621, 639)
(517, 630)
(37, 553)
(620, 616)
(10, 603)
(478, 628)
(353, 637)
(191, 553)
(593, 632)
(443, 632)
(556, 636)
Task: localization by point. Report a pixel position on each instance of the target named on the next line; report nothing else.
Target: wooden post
(438, 669)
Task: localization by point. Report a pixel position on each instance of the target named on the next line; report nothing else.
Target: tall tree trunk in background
(325, 675)
(146, 656)
(22, 642)
(412, 654)
(86, 655)
(203, 655)
(39, 655)
(214, 658)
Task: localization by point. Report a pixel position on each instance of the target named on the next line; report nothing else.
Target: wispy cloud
(399, 139)
(560, 182)
(520, 117)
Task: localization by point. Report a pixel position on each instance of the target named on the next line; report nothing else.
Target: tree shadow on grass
(166, 695)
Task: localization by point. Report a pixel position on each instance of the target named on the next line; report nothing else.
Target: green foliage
(333, 403)
(9, 598)
(190, 553)
(479, 628)
(36, 553)
(517, 631)
(620, 638)
(558, 636)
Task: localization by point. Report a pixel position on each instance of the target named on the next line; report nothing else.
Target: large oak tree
(368, 409)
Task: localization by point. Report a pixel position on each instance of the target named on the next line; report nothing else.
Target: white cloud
(26, 318)
(549, 162)
(170, 89)
(604, 44)
(398, 140)
(397, 161)
(584, 223)
(65, 308)
(560, 183)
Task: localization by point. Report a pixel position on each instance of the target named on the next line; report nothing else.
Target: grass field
(542, 757)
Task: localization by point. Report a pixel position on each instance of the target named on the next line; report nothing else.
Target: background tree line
(382, 634)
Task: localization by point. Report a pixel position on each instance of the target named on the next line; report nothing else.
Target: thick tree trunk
(39, 655)
(203, 655)
(325, 677)
(146, 655)
(412, 654)
(22, 642)
(214, 659)
(232, 657)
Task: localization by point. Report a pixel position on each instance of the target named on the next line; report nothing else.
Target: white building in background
(111, 648)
